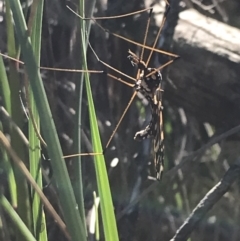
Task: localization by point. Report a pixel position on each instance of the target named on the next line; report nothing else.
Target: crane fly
(148, 81)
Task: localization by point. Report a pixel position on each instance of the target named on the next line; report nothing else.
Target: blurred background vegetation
(192, 127)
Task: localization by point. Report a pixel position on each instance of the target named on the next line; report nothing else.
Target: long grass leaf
(6, 95)
(39, 222)
(16, 220)
(106, 204)
(22, 191)
(5, 90)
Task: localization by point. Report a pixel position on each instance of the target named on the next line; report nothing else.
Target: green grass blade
(7, 167)
(39, 222)
(5, 90)
(6, 95)
(17, 221)
(106, 205)
(22, 191)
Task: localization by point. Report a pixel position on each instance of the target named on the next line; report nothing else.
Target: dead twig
(210, 199)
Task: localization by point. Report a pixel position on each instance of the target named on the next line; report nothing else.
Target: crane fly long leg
(110, 17)
(144, 43)
(112, 135)
(158, 35)
(109, 66)
(139, 44)
(126, 39)
(54, 69)
(120, 120)
(161, 67)
(120, 80)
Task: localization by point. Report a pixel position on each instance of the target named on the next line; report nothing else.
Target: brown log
(207, 77)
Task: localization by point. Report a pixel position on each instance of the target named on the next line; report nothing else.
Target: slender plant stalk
(39, 222)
